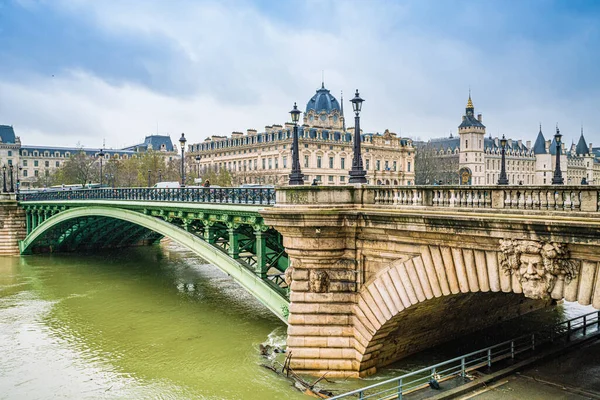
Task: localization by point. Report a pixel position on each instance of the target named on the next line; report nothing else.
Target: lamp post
(296, 177)
(160, 175)
(101, 155)
(182, 141)
(557, 179)
(357, 173)
(149, 172)
(503, 180)
(198, 165)
(4, 178)
(20, 169)
(12, 182)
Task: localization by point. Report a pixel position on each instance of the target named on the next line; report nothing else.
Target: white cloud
(243, 68)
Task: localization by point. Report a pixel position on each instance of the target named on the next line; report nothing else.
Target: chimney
(479, 117)
(590, 148)
(520, 142)
(251, 131)
(528, 144)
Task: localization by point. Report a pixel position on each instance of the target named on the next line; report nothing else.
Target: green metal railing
(395, 388)
(251, 196)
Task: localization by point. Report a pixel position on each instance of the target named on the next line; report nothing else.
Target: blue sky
(80, 71)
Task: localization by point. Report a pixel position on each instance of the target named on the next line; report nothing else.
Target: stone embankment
(12, 225)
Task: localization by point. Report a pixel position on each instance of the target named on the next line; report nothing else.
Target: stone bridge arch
(140, 224)
(399, 309)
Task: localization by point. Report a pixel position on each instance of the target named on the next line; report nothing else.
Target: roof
(71, 150)
(582, 147)
(157, 142)
(7, 134)
(469, 119)
(539, 146)
(323, 101)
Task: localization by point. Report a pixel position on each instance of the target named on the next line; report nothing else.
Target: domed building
(325, 150)
(324, 111)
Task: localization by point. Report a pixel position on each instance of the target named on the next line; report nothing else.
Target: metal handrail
(459, 366)
(249, 196)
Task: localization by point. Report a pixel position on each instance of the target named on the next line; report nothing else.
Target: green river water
(149, 323)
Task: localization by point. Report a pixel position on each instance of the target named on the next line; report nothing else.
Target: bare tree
(434, 165)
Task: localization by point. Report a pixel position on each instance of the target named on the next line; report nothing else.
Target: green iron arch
(256, 286)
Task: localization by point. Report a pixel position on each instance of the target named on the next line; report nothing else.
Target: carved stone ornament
(319, 281)
(539, 266)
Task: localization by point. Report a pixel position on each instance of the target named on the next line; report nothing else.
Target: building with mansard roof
(474, 159)
(325, 150)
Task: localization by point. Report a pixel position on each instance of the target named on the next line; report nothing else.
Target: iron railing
(249, 196)
(395, 388)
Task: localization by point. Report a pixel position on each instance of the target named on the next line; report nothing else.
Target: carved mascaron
(540, 267)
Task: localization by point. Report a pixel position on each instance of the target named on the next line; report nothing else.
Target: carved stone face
(535, 280)
(319, 281)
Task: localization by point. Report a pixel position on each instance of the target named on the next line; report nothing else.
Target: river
(152, 322)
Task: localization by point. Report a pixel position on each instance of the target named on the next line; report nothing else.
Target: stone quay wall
(12, 225)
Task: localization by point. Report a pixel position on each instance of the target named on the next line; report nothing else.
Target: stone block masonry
(12, 225)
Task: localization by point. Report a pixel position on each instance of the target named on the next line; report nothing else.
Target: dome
(323, 101)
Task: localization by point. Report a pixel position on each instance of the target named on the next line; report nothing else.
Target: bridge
(362, 275)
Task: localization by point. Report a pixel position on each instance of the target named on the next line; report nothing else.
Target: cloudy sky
(80, 71)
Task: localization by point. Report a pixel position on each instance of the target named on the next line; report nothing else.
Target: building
(325, 150)
(474, 159)
(33, 162)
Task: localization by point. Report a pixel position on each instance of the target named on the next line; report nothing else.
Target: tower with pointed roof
(472, 135)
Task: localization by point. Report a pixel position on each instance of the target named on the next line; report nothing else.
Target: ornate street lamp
(12, 182)
(4, 179)
(182, 141)
(149, 172)
(101, 155)
(296, 177)
(20, 169)
(503, 180)
(198, 165)
(557, 179)
(357, 173)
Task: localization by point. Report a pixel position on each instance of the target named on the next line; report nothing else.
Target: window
(284, 162)
(10, 162)
(330, 178)
(264, 162)
(306, 145)
(24, 163)
(378, 165)
(343, 163)
(387, 166)
(36, 173)
(9, 153)
(270, 163)
(318, 161)
(25, 172)
(276, 162)
(305, 161)
(47, 163)
(35, 163)
(331, 164)
(255, 163)
(395, 165)
(342, 179)
(318, 178)
(466, 143)
(367, 163)
(408, 167)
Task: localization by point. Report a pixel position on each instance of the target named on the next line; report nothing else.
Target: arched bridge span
(231, 237)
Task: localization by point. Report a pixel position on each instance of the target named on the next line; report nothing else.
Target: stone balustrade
(543, 198)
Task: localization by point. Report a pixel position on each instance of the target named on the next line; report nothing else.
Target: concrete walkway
(573, 375)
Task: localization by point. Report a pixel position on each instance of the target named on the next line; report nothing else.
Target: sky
(81, 72)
